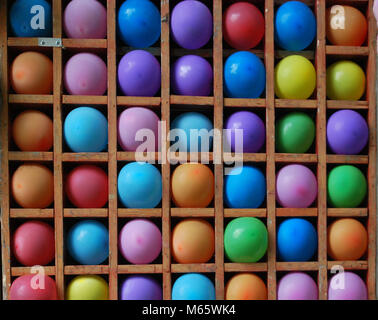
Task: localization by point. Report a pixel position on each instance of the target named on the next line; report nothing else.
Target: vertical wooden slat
(166, 170)
(218, 167)
(270, 147)
(58, 168)
(5, 237)
(372, 167)
(321, 147)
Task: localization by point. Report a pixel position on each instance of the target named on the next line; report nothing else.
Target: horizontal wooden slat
(192, 212)
(30, 156)
(343, 159)
(233, 213)
(32, 213)
(20, 271)
(189, 100)
(296, 157)
(85, 43)
(137, 269)
(186, 268)
(138, 101)
(133, 156)
(296, 212)
(86, 157)
(85, 100)
(249, 103)
(85, 213)
(345, 104)
(82, 270)
(349, 265)
(31, 99)
(296, 104)
(246, 267)
(139, 213)
(347, 50)
(347, 212)
(297, 266)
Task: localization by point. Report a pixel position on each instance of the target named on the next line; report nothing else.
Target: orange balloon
(193, 241)
(32, 73)
(32, 130)
(33, 186)
(246, 286)
(347, 239)
(192, 185)
(346, 26)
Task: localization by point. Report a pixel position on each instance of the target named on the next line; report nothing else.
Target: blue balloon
(31, 18)
(245, 189)
(86, 130)
(139, 185)
(193, 286)
(88, 242)
(297, 240)
(244, 75)
(139, 23)
(192, 121)
(295, 26)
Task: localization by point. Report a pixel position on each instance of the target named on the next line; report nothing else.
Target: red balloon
(33, 287)
(243, 26)
(34, 243)
(87, 187)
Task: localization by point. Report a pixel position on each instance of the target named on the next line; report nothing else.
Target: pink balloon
(297, 286)
(140, 241)
(347, 286)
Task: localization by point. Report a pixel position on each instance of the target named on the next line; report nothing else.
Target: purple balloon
(191, 24)
(297, 286)
(131, 121)
(296, 186)
(192, 76)
(347, 286)
(253, 131)
(141, 288)
(139, 74)
(347, 132)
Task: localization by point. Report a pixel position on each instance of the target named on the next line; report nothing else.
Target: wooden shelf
(19, 271)
(347, 51)
(350, 159)
(245, 267)
(85, 213)
(186, 268)
(32, 213)
(347, 212)
(83, 270)
(85, 157)
(249, 103)
(86, 100)
(234, 213)
(189, 100)
(192, 212)
(345, 104)
(31, 99)
(297, 266)
(139, 213)
(124, 101)
(85, 43)
(30, 156)
(296, 212)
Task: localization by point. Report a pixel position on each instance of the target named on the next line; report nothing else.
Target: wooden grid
(166, 102)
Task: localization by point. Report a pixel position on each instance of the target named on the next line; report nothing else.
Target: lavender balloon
(191, 24)
(347, 132)
(297, 286)
(253, 131)
(192, 76)
(347, 286)
(141, 288)
(139, 74)
(296, 186)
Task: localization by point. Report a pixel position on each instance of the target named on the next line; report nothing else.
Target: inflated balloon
(295, 78)
(192, 75)
(297, 286)
(139, 74)
(354, 288)
(346, 26)
(345, 81)
(244, 75)
(192, 185)
(191, 24)
(85, 74)
(26, 288)
(33, 186)
(141, 287)
(139, 23)
(86, 130)
(253, 133)
(85, 19)
(31, 18)
(132, 124)
(32, 73)
(33, 130)
(139, 185)
(346, 186)
(193, 286)
(294, 26)
(243, 25)
(86, 186)
(347, 132)
(87, 287)
(246, 286)
(295, 133)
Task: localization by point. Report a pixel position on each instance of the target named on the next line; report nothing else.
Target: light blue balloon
(193, 286)
(140, 185)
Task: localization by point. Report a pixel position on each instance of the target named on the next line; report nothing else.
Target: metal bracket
(50, 42)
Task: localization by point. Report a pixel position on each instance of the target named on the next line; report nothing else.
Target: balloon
(87, 287)
(297, 286)
(22, 288)
(141, 287)
(354, 287)
(193, 286)
(246, 286)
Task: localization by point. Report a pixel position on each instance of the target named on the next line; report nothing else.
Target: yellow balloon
(87, 287)
(295, 78)
(345, 81)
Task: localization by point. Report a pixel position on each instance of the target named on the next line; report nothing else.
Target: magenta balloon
(297, 286)
(86, 74)
(140, 241)
(133, 120)
(253, 131)
(139, 74)
(192, 76)
(296, 186)
(347, 286)
(85, 19)
(191, 24)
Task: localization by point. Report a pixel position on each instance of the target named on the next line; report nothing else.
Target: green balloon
(347, 187)
(245, 240)
(295, 133)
